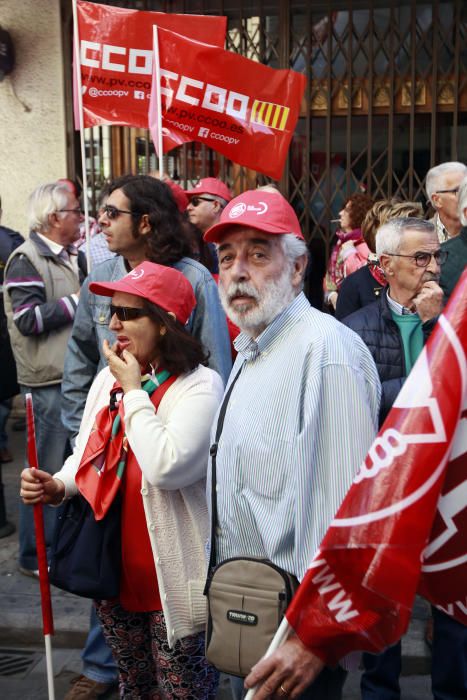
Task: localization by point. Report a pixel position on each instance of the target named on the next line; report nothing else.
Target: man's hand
(286, 673)
(38, 486)
(123, 365)
(429, 301)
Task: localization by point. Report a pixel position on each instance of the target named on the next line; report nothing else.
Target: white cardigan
(172, 449)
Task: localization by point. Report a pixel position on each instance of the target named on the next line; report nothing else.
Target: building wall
(32, 116)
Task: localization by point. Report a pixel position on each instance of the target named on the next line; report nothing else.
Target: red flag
(359, 590)
(117, 55)
(241, 108)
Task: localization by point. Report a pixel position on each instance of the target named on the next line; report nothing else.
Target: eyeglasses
(454, 190)
(424, 259)
(127, 313)
(195, 201)
(76, 210)
(113, 212)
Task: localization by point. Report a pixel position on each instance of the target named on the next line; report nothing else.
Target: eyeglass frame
(440, 253)
(127, 313)
(197, 199)
(453, 190)
(76, 210)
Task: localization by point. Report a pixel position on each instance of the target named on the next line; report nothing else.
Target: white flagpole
(79, 85)
(279, 638)
(160, 147)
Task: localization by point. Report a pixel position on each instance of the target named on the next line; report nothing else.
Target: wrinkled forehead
(415, 239)
(241, 235)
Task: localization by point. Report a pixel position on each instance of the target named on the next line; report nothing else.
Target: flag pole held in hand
(46, 602)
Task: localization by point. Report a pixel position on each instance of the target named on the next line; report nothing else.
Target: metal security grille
(386, 99)
(16, 662)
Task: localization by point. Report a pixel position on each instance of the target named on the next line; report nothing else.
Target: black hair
(167, 243)
(178, 351)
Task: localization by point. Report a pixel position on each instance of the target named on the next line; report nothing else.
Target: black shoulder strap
(213, 453)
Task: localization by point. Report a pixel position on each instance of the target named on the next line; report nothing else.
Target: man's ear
(386, 263)
(435, 200)
(144, 225)
(299, 269)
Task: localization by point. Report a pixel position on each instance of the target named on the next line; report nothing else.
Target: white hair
(462, 199)
(45, 200)
(294, 248)
(435, 176)
(389, 236)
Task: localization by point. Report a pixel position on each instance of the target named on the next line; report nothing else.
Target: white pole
(48, 661)
(160, 147)
(278, 639)
(84, 177)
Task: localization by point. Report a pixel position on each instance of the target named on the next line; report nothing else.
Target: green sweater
(410, 327)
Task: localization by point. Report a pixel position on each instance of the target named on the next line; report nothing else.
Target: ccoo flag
(405, 511)
(241, 108)
(116, 57)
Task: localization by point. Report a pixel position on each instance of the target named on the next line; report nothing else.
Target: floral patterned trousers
(148, 668)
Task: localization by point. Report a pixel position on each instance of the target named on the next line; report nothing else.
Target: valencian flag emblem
(401, 527)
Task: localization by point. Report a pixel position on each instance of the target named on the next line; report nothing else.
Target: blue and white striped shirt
(300, 420)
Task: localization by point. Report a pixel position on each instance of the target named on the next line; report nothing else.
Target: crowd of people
(190, 294)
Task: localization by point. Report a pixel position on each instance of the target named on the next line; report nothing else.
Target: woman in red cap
(150, 444)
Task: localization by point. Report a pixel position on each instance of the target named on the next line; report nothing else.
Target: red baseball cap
(266, 211)
(210, 185)
(163, 286)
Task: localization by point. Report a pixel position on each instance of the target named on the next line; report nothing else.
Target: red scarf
(103, 462)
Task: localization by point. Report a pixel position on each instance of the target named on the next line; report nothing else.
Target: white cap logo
(136, 274)
(240, 208)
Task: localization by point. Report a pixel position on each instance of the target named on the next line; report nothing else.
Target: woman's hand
(38, 486)
(123, 365)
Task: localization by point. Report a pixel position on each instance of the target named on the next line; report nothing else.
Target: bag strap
(213, 453)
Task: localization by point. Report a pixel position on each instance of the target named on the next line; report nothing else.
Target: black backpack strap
(213, 453)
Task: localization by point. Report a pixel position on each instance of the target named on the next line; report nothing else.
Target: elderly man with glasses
(395, 329)
(207, 201)
(456, 247)
(41, 289)
(442, 188)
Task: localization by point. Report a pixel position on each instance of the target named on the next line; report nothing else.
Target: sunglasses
(112, 212)
(195, 201)
(454, 190)
(127, 313)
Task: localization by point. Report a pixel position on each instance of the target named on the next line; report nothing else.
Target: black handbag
(86, 553)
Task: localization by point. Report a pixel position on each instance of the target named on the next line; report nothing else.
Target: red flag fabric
(359, 590)
(116, 53)
(241, 108)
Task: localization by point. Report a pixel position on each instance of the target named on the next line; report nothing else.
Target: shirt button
(218, 530)
(144, 491)
(158, 560)
(152, 526)
(101, 318)
(217, 488)
(173, 631)
(166, 597)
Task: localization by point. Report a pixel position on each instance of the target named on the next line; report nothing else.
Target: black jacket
(375, 326)
(357, 290)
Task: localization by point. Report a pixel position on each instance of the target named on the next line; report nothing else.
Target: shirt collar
(250, 348)
(441, 230)
(398, 309)
(57, 248)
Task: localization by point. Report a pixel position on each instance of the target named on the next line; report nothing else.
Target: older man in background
(41, 290)
(442, 188)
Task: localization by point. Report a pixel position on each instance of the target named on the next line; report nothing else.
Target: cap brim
(215, 233)
(107, 289)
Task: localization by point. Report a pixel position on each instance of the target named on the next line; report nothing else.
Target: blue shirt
(301, 417)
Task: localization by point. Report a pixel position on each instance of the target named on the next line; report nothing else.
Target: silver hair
(435, 176)
(294, 248)
(45, 200)
(462, 199)
(389, 236)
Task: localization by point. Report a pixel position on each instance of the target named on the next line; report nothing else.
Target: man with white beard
(300, 418)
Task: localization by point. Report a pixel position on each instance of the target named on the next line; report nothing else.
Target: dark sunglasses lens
(111, 212)
(126, 313)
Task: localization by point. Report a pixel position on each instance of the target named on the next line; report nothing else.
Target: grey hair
(223, 202)
(389, 236)
(462, 199)
(293, 248)
(45, 200)
(436, 175)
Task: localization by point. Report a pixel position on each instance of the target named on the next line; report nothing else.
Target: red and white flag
(116, 57)
(238, 107)
(402, 526)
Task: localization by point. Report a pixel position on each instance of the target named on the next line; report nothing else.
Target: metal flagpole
(160, 146)
(46, 602)
(79, 94)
